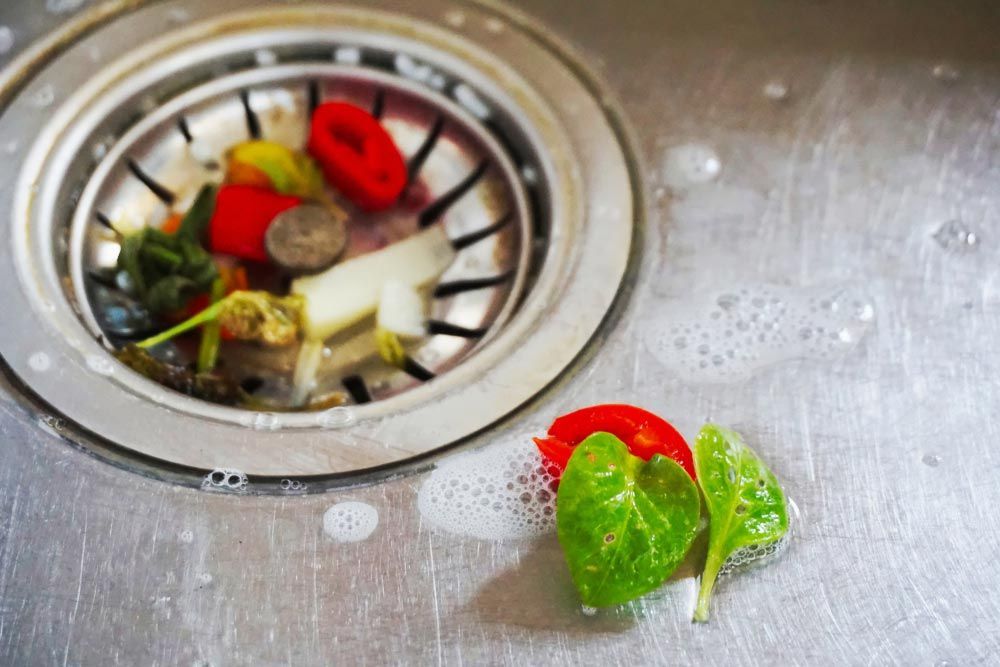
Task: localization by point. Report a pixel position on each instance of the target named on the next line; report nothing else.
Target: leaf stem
(713, 563)
(206, 315)
(211, 333)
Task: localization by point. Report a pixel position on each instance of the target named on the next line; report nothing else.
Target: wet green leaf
(196, 220)
(745, 502)
(167, 269)
(624, 524)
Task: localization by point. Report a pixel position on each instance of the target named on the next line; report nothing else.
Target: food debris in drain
(279, 255)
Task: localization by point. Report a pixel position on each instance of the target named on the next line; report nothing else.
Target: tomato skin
(644, 433)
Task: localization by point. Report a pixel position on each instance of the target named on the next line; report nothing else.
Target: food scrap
(629, 502)
(258, 260)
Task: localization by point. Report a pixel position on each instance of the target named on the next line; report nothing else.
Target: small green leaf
(624, 524)
(196, 220)
(745, 503)
(129, 259)
(170, 293)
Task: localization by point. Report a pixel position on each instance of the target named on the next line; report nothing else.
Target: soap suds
(500, 492)
(731, 334)
(350, 521)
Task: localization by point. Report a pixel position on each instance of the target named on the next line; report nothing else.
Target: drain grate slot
(163, 193)
(253, 122)
(433, 213)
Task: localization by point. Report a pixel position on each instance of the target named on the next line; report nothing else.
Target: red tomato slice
(643, 433)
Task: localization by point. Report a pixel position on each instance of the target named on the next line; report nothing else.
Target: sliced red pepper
(644, 433)
(242, 215)
(357, 155)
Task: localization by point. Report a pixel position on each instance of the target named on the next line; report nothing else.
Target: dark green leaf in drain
(624, 524)
(745, 502)
(168, 269)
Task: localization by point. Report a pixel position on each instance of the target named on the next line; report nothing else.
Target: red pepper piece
(242, 215)
(644, 433)
(357, 155)
(556, 453)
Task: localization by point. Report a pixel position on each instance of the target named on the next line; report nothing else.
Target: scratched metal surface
(889, 452)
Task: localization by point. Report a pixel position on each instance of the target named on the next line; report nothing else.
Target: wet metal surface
(856, 146)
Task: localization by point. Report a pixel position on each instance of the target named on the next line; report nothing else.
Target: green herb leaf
(196, 220)
(624, 524)
(129, 260)
(211, 333)
(167, 269)
(745, 502)
(169, 293)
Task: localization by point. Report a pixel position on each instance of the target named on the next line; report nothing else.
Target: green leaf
(211, 333)
(196, 220)
(745, 503)
(130, 259)
(170, 293)
(624, 524)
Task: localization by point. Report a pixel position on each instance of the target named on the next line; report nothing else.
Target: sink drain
(506, 146)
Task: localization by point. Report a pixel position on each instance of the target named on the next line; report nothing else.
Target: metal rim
(592, 216)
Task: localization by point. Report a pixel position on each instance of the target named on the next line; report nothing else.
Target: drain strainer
(507, 150)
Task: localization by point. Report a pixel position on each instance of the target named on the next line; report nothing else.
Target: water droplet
(100, 150)
(265, 421)
(588, 611)
(932, 460)
(775, 90)
(39, 362)
(495, 26)
(63, 6)
(6, 39)
(946, 72)
(265, 57)
(186, 536)
(455, 18)
(43, 97)
(690, 164)
(100, 364)
(347, 55)
(469, 99)
(335, 417)
(225, 479)
(954, 236)
(178, 15)
(11, 147)
(530, 175)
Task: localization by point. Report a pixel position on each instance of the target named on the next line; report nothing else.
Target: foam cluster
(732, 334)
(225, 479)
(500, 492)
(755, 555)
(350, 521)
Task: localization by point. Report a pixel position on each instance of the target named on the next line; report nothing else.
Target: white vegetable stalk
(348, 292)
(402, 311)
(388, 280)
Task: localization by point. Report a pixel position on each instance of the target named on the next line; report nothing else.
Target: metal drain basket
(558, 175)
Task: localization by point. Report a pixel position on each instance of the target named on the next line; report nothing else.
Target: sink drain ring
(545, 116)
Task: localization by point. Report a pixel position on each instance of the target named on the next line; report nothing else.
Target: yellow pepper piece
(390, 348)
(290, 172)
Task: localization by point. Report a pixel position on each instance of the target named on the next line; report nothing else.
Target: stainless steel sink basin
(802, 201)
